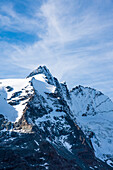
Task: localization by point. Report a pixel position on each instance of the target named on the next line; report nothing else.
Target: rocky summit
(44, 125)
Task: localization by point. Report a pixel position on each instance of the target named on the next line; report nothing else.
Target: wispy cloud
(75, 40)
(13, 21)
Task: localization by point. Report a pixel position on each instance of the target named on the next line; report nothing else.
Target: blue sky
(73, 38)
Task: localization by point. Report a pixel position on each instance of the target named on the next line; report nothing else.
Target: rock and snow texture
(94, 114)
(53, 111)
(15, 92)
(43, 70)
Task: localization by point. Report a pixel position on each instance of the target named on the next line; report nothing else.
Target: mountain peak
(48, 122)
(39, 70)
(43, 70)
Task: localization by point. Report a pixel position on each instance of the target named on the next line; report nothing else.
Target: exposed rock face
(48, 132)
(43, 70)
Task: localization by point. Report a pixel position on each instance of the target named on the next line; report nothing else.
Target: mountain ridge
(61, 118)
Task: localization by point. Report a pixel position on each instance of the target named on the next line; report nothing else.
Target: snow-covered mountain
(94, 114)
(43, 125)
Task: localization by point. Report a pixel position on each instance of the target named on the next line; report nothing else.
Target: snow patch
(5, 109)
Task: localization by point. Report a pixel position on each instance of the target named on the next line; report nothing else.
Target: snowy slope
(41, 102)
(16, 93)
(94, 113)
(41, 86)
(5, 109)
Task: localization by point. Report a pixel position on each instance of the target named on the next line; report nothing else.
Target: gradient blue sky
(73, 38)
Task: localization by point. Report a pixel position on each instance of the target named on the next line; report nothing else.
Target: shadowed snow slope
(94, 113)
(5, 109)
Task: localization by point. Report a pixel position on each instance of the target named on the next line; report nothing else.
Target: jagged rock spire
(43, 70)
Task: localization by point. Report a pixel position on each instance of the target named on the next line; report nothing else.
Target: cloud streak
(74, 41)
